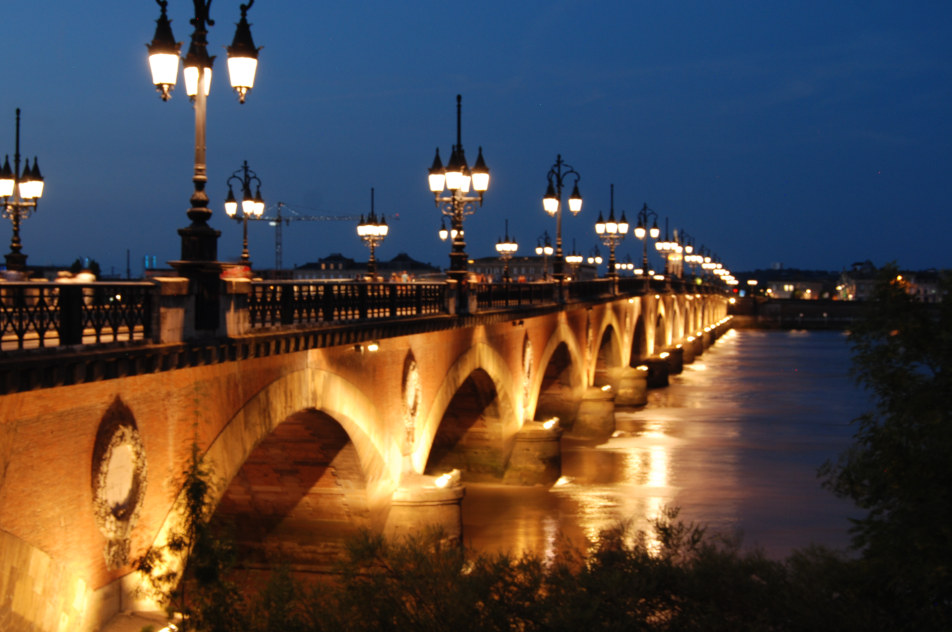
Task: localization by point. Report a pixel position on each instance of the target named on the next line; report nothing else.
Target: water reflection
(734, 441)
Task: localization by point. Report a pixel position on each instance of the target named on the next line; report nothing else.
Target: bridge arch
(607, 356)
(308, 392)
(639, 341)
(661, 338)
(559, 380)
(480, 378)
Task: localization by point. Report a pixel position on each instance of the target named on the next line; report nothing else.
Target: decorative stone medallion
(118, 481)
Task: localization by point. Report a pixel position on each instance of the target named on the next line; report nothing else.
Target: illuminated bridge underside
(308, 445)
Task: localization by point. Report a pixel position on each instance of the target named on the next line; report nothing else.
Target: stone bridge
(312, 430)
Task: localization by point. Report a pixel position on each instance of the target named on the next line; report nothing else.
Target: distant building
(790, 283)
(858, 283)
(336, 266)
(526, 269)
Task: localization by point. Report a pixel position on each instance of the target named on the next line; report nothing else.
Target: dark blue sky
(812, 134)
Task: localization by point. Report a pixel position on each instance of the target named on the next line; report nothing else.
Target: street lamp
(574, 259)
(252, 206)
(506, 248)
(668, 249)
(690, 257)
(611, 232)
(552, 203)
(544, 248)
(456, 177)
(199, 240)
(595, 258)
(21, 192)
(642, 232)
(372, 232)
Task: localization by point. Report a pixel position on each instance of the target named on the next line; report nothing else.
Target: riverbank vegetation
(676, 576)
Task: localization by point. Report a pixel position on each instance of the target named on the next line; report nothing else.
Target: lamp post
(611, 233)
(251, 206)
(506, 248)
(372, 232)
(544, 248)
(595, 259)
(456, 178)
(667, 248)
(21, 192)
(199, 240)
(552, 203)
(690, 257)
(642, 232)
(574, 259)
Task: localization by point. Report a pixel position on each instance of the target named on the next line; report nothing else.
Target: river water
(735, 442)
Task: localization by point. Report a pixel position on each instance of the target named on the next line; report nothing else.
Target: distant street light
(595, 258)
(21, 192)
(642, 232)
(552, 203)
(456, 178)
(506, 248)
(372, 232)
(544, 248)
(199, 240)
(574, 259)
(670, 250)
(252, 206)
(611, 233)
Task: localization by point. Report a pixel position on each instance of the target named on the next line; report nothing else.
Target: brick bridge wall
(335, 436)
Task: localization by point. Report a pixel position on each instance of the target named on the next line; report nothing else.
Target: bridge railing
(581, 290)
(504, 295)
(275, 303)
(38, 315)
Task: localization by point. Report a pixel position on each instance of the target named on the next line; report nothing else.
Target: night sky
(807, 134)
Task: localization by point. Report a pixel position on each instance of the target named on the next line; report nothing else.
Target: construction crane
(290, 215)
(284, 215)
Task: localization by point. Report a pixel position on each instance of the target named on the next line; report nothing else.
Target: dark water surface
(735, 442)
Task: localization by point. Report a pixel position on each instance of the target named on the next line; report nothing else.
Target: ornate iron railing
(37, 315)
(502, 295)
(274, 303)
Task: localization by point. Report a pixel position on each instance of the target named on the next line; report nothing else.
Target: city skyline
(810, 136)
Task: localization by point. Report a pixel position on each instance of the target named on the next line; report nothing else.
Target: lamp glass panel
(241, 71)
(480, 181)
(30, 189)
(164, 68)
(437, 180)
(6, 187)
(454, 180)
(551, 205)
(191, 80)
(231, 207)
(575, 204)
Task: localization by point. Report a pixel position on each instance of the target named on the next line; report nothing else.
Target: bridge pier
(424, 501)
(632, 387)
(688, 350)
(675, 360)
(536, 457)
(596, 413)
